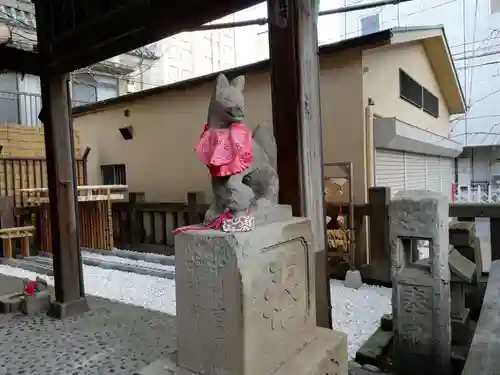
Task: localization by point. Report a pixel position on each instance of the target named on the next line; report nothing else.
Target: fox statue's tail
(264, 137)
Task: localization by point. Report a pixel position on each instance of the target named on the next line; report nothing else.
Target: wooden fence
(147, 226)
(377, 213)
(22, 173)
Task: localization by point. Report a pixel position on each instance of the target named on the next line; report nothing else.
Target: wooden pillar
(61, 176)
(380, 251)
(297, 125)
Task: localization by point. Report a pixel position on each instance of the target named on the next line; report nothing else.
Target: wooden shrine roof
(84, 32)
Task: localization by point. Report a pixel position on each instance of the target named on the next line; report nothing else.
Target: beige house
(386, 104)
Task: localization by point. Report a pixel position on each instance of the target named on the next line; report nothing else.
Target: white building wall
(474, 37)
(193, 54)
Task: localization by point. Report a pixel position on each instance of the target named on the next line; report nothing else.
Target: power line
(489, 37)
(479, 65)
(473, 48)
(464, 116)
(406, 15)
(264, 21)
(492, 53)
(461, 57)
(485, 116)
(464, 20)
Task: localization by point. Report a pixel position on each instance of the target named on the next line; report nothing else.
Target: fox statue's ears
(238, 82)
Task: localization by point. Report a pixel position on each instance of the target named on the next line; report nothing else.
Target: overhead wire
(474, 51)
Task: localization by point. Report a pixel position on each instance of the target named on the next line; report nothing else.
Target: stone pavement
(113, 338)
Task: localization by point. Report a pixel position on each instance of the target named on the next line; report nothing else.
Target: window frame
(426, 109)
(423, 90)
(379, 18)
(119, 172)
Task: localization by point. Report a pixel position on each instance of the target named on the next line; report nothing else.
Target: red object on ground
(30, 288)
(453, 191)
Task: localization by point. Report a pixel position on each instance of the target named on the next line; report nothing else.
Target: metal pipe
(263, 21)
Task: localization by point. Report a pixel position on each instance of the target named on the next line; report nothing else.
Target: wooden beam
(491, 210)
(297, 125)
(18, 60)
(121, 30)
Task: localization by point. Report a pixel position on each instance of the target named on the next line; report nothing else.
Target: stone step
(29, 265)
(43, 264)
(373, 349)
(166, 260)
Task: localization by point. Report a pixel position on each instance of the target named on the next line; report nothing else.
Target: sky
(252, 44)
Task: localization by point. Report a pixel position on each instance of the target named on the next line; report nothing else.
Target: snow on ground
(358, 312)
(154, 293)
(115, 259)
(355, 312)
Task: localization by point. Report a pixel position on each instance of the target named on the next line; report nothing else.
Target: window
(414, 93)
(431, 103)
(9, 101)
(87, 88)
(173, 73)
(186, 74)
(370, 24)
(409, 89)
(114, 174)
(208, 47)
(83, 93)
(186, 57)
(107, 87)
(8, 82)
(494, 6)
(174, 52)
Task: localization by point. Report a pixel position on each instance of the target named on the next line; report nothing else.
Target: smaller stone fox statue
(242, 163)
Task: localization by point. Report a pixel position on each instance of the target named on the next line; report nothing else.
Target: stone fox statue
(244, 176)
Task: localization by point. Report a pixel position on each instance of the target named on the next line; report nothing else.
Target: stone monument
(421, 292)
(245, 290)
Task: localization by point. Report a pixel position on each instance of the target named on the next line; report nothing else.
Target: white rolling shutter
(390, 170)
(433, 173)
(415, 171)
(409, 171)
(447, 175)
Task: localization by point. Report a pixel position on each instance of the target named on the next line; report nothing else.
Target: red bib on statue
(226, 151)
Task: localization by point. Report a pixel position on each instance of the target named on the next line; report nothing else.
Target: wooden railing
(377, 214)
(147, 226)
(477, 194)
(18, 173)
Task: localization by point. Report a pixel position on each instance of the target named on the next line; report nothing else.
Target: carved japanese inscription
(415, 323)
(284, 298)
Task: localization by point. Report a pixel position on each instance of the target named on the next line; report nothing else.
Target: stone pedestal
(421, 292)
(246, 305)
(460, 331)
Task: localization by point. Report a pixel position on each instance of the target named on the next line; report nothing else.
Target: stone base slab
(326, 354)
(38, 303)
(461, 333)
(62, 310)
(11, 303)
